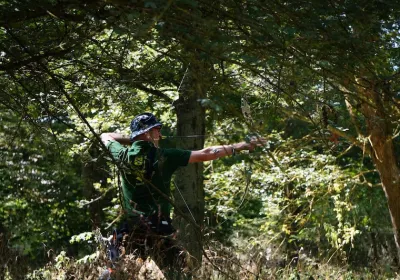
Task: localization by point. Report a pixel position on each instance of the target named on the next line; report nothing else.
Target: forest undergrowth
(220, 262)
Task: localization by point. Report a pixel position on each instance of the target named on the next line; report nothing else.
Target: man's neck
(151, 143)
(145, 138)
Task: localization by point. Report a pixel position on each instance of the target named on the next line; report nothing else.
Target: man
(147, 170)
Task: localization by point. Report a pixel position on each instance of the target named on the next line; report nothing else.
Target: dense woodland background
(319, 78)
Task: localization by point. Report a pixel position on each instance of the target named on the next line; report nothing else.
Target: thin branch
(33, 59)
(353, 118)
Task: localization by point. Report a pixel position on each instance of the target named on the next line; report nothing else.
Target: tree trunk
(380, 135)
(189, 192)
(386, 164)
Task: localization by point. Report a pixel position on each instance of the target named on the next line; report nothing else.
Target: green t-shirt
(140, 183)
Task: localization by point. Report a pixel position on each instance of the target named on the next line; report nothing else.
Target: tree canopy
(319, 78)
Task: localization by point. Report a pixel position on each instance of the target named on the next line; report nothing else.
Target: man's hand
(254, 142)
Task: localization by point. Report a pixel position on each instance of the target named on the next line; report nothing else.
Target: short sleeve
(184, 156)
(178, 156)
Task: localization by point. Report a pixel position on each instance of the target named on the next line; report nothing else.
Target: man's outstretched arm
(110, 136)
(214, 152)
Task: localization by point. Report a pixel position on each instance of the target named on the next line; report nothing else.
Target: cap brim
(137, 133)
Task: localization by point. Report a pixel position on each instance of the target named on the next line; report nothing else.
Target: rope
(202, 136)
(184, 76)
(187, 206)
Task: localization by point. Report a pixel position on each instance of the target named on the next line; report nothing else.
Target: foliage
(70, 70)
(309, 203)
(38, 180)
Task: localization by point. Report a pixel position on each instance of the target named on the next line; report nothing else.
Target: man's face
(154, 133)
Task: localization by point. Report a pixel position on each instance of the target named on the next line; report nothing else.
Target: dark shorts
(151, 225)
(153, 237)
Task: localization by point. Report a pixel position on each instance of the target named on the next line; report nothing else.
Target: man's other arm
(110, 136)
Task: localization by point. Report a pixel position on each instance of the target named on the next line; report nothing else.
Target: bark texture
(380, 137)
(190, 196)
